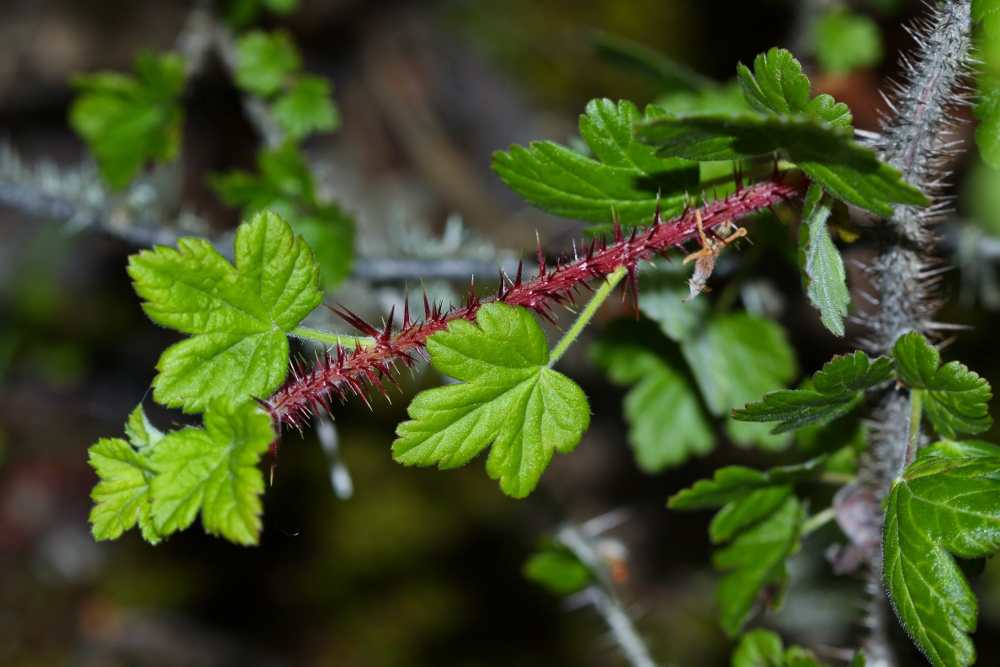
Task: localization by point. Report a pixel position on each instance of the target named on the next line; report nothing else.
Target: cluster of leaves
(239, 318)
(946, 501)
(692, 368)
(622, 181)
(269, 66)
(953, 398)
(161, 482)
(285, 184)
(697, 364)
(761, 520)
(130, 120)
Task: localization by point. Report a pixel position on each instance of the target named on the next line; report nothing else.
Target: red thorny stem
(310, 388)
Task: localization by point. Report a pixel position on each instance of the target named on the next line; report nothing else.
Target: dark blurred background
(419, 567)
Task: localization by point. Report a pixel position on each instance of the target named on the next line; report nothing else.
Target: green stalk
(818, 520)
(600, 295)
(913, 437)
(327, 338)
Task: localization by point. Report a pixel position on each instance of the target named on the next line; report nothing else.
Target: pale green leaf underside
(824, 275)
(508, 398)
(238, 315)
(940, 506)
(215, 471)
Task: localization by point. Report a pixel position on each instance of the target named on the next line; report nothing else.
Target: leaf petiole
(818, 520)
(349, 342)
(913, 438)
(584, 318)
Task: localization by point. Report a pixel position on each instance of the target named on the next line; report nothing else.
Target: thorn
(387, 332)
(520, 270)
(427, 305)
(633, 281)
(472, 290)
(406, 306)
(541, 256)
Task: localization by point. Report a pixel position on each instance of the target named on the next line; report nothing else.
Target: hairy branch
(915, 140)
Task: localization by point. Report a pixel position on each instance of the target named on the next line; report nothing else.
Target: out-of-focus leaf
(846, 41)
(127, 121)
(264, 61)
(306, 108)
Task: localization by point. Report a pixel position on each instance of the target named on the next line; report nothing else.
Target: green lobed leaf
(669, 74)
(662, 394)
(238, 316)
(122, 498)
(213, 471)
(127, 121)
(777, 85)
(954, 398)
(264, 61)
(306, 108)
(846, 41)
(837, 389)
(735, 483)
(825, 152)
(284, 179)
(823, 273)
(623, 181)
(763, 648)
(507, 397)
(558, 570)
(755, 560)
(940, 506)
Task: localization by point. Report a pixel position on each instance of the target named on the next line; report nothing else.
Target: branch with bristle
(340, 371)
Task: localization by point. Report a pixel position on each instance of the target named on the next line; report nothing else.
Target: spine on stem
(341, 371)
